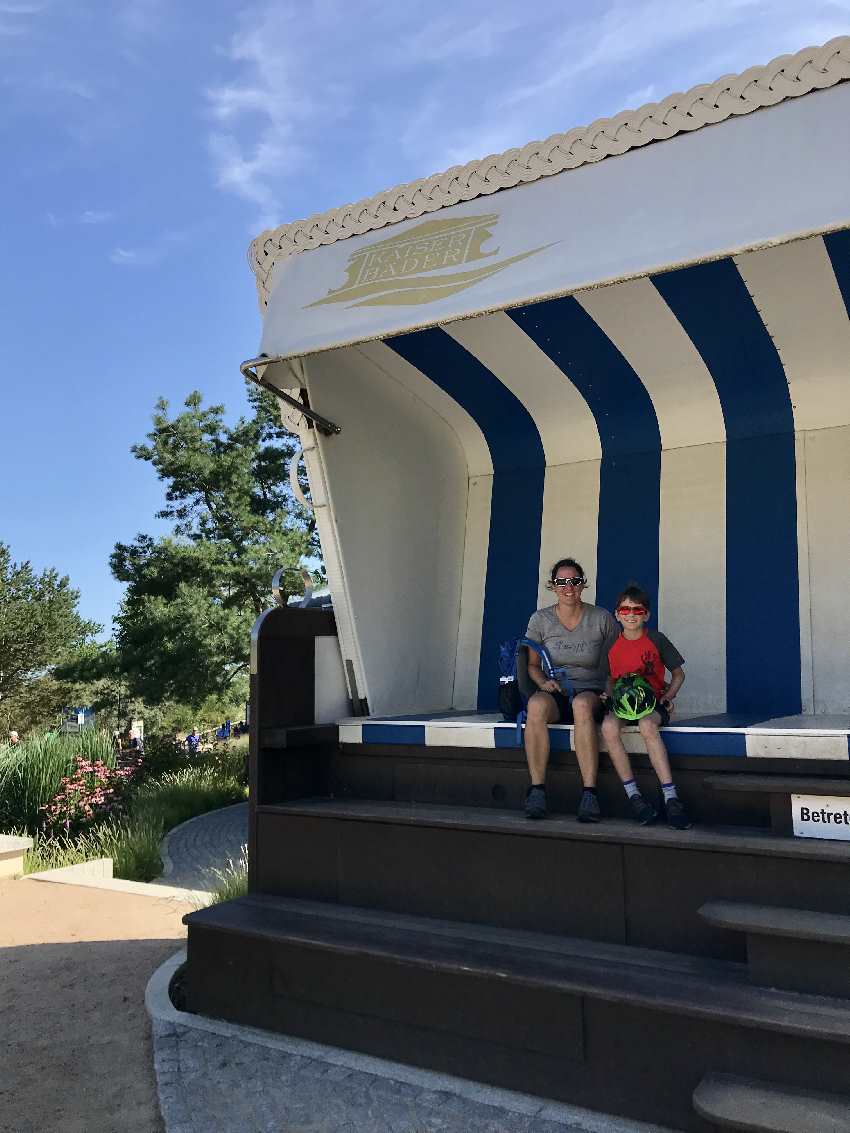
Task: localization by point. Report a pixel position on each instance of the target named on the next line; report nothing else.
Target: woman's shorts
(565, 708)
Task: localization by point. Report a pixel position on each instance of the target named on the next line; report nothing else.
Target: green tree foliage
(192, 596)
(39, 627)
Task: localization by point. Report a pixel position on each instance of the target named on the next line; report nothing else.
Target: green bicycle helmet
(632, 698)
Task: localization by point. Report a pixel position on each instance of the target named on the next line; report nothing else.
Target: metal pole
(322, 423)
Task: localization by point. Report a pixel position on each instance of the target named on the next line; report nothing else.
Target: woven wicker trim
(787, 76)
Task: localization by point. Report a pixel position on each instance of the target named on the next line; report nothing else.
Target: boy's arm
(677, 679)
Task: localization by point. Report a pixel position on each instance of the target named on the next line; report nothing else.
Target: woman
(577, 637)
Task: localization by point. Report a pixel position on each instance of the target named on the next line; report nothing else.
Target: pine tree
(192, 596)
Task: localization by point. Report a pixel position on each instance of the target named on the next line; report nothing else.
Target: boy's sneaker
(643, 811)
(677, 816)
(535, 802)
(588, 807)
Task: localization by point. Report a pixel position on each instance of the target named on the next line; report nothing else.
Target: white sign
(821, 816)
(685, 200)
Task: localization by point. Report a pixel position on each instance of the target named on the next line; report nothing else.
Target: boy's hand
(550, 686)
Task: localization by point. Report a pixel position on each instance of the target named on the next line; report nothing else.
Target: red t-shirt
(648, 656)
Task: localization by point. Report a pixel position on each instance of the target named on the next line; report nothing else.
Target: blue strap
(559, 675)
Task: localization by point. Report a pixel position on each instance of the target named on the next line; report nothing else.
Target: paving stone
(205, 844)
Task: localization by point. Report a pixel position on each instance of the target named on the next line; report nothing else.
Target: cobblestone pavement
(212, 1083)
(204, 844)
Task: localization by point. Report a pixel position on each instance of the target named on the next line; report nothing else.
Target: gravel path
(191, 851)
(74, 962)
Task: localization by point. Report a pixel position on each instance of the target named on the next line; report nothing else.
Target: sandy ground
(75, 1046)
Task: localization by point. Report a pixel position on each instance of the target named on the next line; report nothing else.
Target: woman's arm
(537, 676)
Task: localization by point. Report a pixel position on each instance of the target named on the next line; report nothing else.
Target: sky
(146, 142)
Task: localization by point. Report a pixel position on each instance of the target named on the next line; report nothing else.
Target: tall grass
(232, 881)
(31, 772)
(179, 795)
(133, 846)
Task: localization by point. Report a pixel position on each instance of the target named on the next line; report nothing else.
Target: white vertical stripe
(649, 336)
(570, 522)
(807, 691)
(828, 495)
(796, 293)
(468, 656)
(563, 418)
(692, 571)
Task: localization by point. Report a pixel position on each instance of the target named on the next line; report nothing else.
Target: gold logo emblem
(396, 271)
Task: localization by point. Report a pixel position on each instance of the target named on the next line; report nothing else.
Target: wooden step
(779, 784)
(626, 1029)
(778, 789)
(712, 839)
(763, 1107)
(797, 949)
(615, 881)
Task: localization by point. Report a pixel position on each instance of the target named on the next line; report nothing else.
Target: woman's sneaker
(643, 811)
(535, 802)
(677, 816)
(588, 807)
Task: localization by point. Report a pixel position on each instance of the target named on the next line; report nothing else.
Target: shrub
(31, 772)
(163, 754)
(90, 795)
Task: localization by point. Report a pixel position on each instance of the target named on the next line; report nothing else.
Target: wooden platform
(402, 905)
(518, 1009)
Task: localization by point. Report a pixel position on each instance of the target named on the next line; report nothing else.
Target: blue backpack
(515, 686)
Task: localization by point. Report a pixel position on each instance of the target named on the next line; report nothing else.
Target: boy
(647, 653)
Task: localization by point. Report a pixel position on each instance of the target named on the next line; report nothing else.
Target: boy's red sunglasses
(638, 611)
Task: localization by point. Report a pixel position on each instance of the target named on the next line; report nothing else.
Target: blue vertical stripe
(516, 507)
(838, 250)
(630, 473)
(762, 585)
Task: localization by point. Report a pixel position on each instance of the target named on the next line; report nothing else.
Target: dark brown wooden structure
(401, 905)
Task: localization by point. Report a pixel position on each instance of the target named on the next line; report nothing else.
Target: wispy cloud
(151, 253)
(96, 216)
(307, 93)
(15, 21)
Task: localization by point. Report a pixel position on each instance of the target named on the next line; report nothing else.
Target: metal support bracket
(246, 369)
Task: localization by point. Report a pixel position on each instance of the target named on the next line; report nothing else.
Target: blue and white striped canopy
(689, 430)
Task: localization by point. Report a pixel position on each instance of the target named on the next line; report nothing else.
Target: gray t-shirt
(583, 651)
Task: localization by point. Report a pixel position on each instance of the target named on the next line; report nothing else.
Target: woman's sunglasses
(568, 581)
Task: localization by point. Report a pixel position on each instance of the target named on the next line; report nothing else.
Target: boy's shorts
(565, 707)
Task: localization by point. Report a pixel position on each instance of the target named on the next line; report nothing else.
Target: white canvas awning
(744, 183)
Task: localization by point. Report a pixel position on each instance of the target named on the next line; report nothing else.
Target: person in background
(14, 738)
(193, 740)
